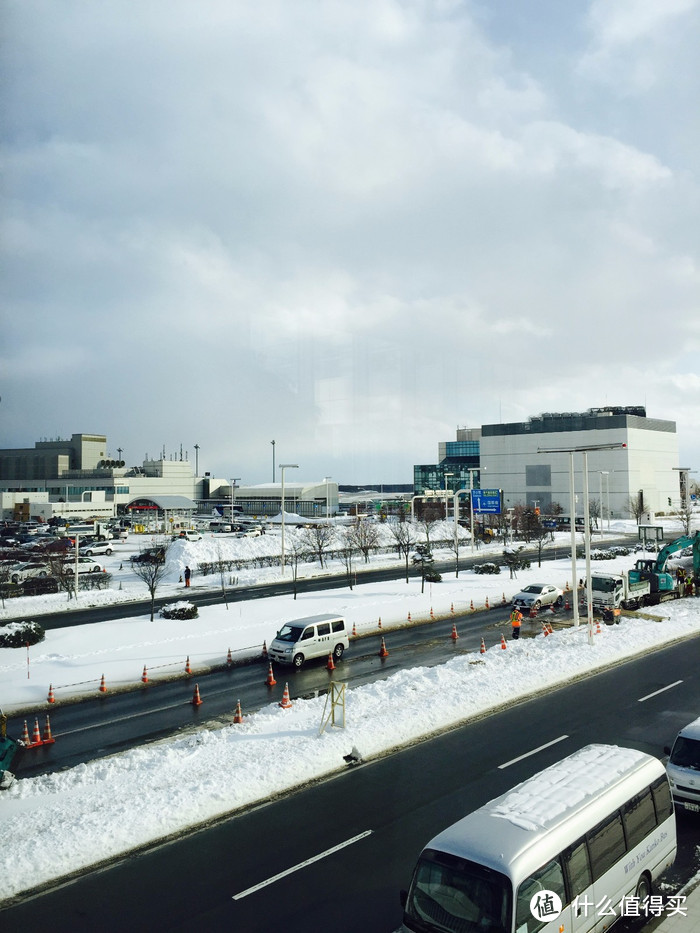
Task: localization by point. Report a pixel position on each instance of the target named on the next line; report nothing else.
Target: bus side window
(662, 799)
(639, 818)
(606, 844)
(578, 869)
(548, 878)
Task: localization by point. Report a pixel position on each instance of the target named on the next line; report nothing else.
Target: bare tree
(428, 521)
(62, 568)
(222, 572)
(348, 549)
(296, 555)
(594, 511)
(403, 535)
(151, 569)
(365, 536)
(684, 515)
(318, 539)
(635, 507)
(4, 580)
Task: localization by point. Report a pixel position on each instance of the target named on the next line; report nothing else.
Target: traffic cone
(471, 605)
(452, 607)
(567, 605)
(196, 699)
(144, 676)
(354, 630)
(103, 685)
(486, 605)
(545, 629)
(188, 669)
(409, 617)
(597, 626)
(383, 653)
(566, 588)
(330, 666)
(264, 651)
(25, 740)
(503, 600)
(503, 643)
(379, 624)
(454, 636)
(270, 677)
(238, 715)
(285, 702)
(50, 698)
(432, 616)
(482, 650)
(229, 658)
(36, 735)
(47, 738)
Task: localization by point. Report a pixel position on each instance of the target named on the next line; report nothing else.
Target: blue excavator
(662, 582)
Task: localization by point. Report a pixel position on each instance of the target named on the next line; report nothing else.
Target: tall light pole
(471, 471)
(604, 473)
(273, 460)
(572, 511)
(327, 480)
(283, 467)
(447, 507)
(233, 493)
(196, 459)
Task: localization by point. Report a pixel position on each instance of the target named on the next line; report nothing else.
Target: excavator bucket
(8, 750)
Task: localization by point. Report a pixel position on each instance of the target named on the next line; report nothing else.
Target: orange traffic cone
(144, 676)
(567, 605)
(229, 658)
(379, 624)
(47, 738)
(25, 740)
(597, 626)
(383, 653)
(188, 669)
(408, 619)
(503, 601)
(270, 677)
(103, 685)
(471, 605)
(482, 650)
(431, 613)
(196, 699)
(486, 604)
(285, 702)
(454, 636)
(452, 607)
(264, 651)
(503, 643)
(330, 666)
(50, 698)
(354, 630)
(36, 735)
(566, 588)
(238, 715)
(545, 629)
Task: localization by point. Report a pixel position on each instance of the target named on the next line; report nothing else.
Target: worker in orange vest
(516, 618)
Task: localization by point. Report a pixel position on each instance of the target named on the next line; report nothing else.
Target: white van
(683, 767)
(311, 637)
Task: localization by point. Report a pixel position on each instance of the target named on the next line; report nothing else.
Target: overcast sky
(346, 225)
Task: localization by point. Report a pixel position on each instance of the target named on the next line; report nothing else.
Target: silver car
(537, 595)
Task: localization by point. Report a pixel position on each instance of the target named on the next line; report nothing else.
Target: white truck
(617, 591)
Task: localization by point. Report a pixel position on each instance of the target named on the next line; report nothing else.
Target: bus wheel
(643, 888)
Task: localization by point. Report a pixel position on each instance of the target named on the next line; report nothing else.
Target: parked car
(85, 565)
(152, 555)
(21, 572)
(95, 547)
(188, 534)
(537, 595)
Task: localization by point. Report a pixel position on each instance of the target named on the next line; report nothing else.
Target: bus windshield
(453, 895)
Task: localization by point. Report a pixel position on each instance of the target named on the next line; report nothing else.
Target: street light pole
(283, 467)
(447, 508)
(233, 493)
(587, 548)
(327, 480)
(273, 460)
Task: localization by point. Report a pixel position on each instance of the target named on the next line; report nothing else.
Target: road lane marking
(533, 752)
(304, 864)
(657, 692)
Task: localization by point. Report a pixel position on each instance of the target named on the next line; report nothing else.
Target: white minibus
(683, 767)
(592, 830)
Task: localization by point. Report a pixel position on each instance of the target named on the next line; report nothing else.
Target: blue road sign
(487, 500)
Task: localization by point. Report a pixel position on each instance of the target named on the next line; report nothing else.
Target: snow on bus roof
(542, 799)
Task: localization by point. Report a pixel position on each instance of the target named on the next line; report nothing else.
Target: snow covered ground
(70, 820)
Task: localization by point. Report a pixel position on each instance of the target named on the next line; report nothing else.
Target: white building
(647, 466)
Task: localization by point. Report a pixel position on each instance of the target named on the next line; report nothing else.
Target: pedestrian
(188, 574)
(516, 618)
